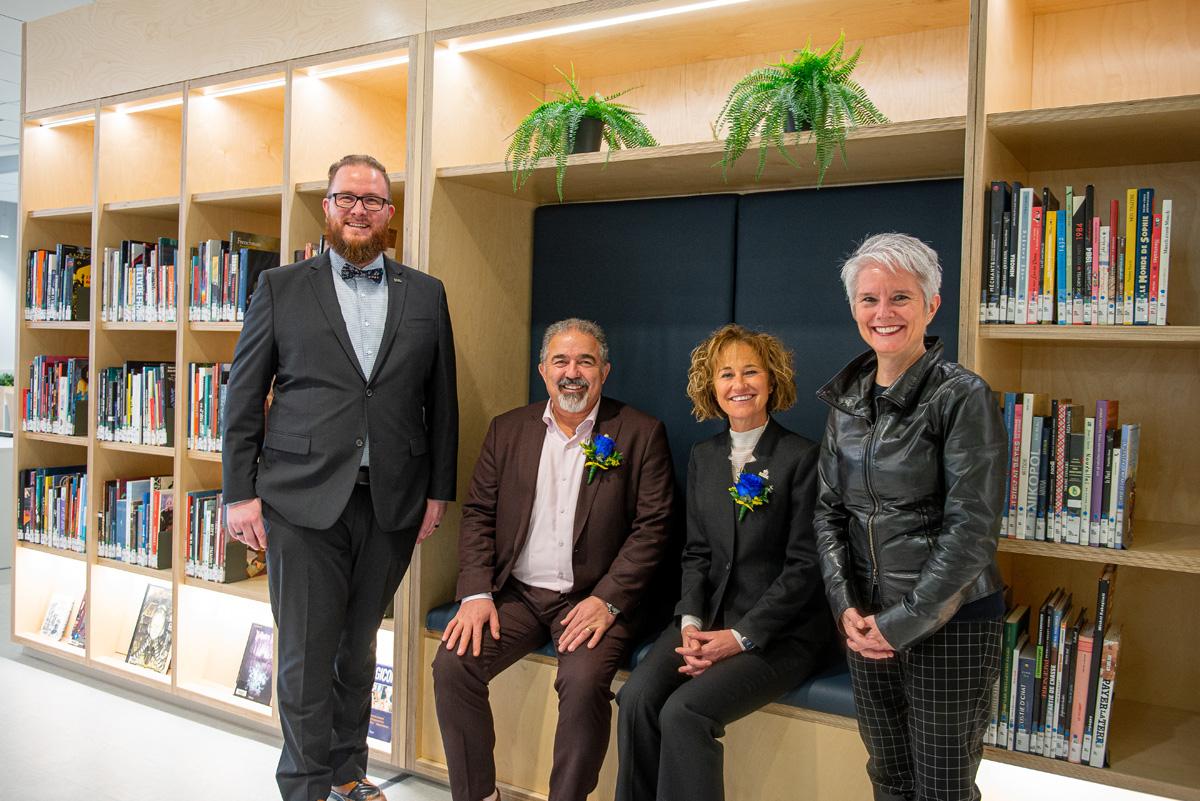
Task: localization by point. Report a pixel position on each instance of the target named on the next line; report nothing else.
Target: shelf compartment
(260, 199)
(1187, 336)
(1153, 749)
(1102, 134)
(118, 666)
(149, 450)
(60, 648)
(69, 214)
(1156, 546)
(33, 546)
(159, 208)
(123, 326)
(58, 439)
(211, 692)
(924, 149)
(254, 589)
(215, 327)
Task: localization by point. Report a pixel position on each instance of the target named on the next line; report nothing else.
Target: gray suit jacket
(302, 458)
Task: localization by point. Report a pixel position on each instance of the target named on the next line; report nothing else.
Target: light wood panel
(777, 754)
(1149, 336)
(896, 152)
(65, 170)
(133, 44)
(452, 13)
(680, 103)
(1123, 51)
(763, 26)
(140, 154)
(358, 113)
(1157, 546)
(235, 142)
(1008, 54)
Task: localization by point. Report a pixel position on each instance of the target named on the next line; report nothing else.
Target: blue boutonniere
(601, 454)
(750, 492)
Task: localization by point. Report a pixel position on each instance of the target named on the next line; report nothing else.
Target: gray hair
(575, 324)
(895, 253)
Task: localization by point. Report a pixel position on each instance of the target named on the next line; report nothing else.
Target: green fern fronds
(814, 88)
(551, 128)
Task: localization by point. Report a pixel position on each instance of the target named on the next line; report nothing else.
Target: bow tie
(374, 274)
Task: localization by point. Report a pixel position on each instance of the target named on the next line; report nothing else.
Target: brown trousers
(529, 616)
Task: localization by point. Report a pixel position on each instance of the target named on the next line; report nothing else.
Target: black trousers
(329, 590)
(670, 725)
(922, 714)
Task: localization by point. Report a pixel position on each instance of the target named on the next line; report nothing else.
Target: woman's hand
(863, 636)
(706, 649)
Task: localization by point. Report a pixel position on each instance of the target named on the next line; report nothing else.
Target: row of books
(139, 282)
(1068, 265)
(310, 249)
(54, 507)
(1071, 478)
(65, 620)
(212, 554)
(225, 272)
(55, 399)
(136, 403)
(1055, 691)
(135, 521)
(207, 384)
(58, 283)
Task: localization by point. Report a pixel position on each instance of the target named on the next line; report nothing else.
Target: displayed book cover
(150, 645)
(380, 725)
(78, 636)
(254, 676)
(58, 616)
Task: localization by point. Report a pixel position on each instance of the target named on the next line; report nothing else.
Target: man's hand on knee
(467, 626)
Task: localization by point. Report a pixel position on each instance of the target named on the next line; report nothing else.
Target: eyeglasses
(346, 200)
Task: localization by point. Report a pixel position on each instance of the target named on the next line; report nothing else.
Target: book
(1107, 416)
(58, 616)
(1129, 252)
(1015, 624)
(1105, 589)
(150, 645)
(998, 203)
(1164, 261)
(1106, 686)
(379, 726)
(1062, 607)
(1141, 283)
(1026, 659)
(1062, 732)
(1073, 493)
(1155, 259)
(254, 676)
(78, 634)
(1126, 485)
(1042, 670)
(1083, 670)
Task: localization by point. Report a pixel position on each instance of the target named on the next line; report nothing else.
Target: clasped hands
(703, 649)
(864, 637)
(587, 623)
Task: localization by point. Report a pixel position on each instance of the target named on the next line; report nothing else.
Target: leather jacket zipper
(874, 505)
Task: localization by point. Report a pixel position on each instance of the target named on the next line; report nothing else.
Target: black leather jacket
(910, 495)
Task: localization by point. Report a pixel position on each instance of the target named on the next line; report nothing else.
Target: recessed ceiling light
(333, 72)
(243, 88)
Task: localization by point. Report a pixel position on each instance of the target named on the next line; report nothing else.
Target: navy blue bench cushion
(828, 691)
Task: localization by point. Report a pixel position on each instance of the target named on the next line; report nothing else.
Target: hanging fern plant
(551, 130)
(814, 90)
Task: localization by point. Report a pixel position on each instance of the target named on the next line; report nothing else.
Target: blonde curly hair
(776, 359)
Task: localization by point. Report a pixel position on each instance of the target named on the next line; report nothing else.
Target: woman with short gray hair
(911, 485)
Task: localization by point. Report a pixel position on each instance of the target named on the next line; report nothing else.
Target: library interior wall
(8, 286)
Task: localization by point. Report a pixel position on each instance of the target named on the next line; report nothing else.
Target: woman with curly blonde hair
(752, 622)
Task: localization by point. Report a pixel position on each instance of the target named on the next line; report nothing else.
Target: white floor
(65, 736)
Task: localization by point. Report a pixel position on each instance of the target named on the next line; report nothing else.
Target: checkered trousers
(922, 714)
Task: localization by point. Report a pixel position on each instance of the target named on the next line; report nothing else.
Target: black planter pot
(589, 135)
(789, 125)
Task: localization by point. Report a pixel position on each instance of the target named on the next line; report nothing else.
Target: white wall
(8, 286)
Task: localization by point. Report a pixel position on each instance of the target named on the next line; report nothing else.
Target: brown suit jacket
(622, 520)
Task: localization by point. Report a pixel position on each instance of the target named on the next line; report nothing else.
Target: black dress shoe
(362, 790)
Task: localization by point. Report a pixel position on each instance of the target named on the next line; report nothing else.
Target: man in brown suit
(548, 551)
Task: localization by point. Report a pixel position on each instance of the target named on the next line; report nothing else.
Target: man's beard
(572, 404)
(358, 252)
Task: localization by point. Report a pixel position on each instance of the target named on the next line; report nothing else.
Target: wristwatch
(747, 643)
(612, 610)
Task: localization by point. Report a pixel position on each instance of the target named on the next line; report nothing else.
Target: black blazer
(304, 465)
(761, 574)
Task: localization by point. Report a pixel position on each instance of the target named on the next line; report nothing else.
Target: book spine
(1155, 265)
(1130, 251)
(1085, 506)
(1164, 262)
(1005, 254)
(1094, 250)
(1014, 472)
(1074, 488)
(1043, 481)
(1079, 263)
(1105, 298)
(1114, 282)
(1024, 700)
(1035, 266)
(1106, 686)
(1050, 223)
(1062, 281)
(1024, 228)
(1032, 474)
(1083, 667)
(1141, 288)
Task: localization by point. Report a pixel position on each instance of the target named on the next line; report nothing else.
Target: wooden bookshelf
(894, 152)
(57, 325)
(961, 81)
(204, 456)
(34, 546)
(147, 450)
(163, 575)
